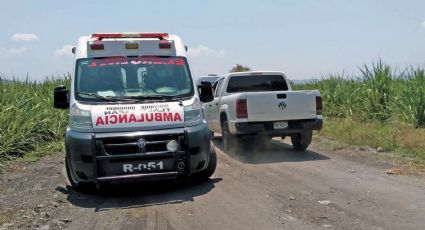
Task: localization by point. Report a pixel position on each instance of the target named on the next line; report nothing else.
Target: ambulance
(135, 113)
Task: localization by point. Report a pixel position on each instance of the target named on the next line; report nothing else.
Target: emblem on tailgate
(141, 143)
(282, 105)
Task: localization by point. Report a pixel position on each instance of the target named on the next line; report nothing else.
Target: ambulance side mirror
(206, 92)
(60, 97)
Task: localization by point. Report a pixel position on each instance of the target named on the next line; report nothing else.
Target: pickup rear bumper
(266, 127)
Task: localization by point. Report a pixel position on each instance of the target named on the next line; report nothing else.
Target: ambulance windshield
(132, 77)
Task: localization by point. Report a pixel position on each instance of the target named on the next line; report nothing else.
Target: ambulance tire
(79, 186)
(212, 165)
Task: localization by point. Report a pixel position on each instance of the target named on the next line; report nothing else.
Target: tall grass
(379, 94)
(27, 116)
(340, 94)
(377, 91)
(409, 104)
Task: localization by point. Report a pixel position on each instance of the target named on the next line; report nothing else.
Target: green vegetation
(381, 108)
(239, 68)
(380, 94)
(28, 121)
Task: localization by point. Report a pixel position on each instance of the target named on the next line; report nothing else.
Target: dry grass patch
(400, 139)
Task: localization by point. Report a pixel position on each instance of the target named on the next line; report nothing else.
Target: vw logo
(141, 143)
(282, 105)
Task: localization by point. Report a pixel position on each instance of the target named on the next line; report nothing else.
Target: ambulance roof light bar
(100, 36)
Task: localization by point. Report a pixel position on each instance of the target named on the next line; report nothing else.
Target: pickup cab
(262, 104)
(135, 113)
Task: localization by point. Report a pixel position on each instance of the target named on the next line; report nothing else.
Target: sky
(303, 38)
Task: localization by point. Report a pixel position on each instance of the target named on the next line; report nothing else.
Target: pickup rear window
(256, 83)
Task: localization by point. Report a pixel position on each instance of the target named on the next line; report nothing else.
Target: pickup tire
(229, 140)
(212, 165)
(80, 186)
(301, 141)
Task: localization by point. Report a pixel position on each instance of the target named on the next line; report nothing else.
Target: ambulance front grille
(128, 145)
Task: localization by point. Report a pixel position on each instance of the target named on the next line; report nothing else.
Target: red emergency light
(165, 44)
(96, 46)
(100, 36)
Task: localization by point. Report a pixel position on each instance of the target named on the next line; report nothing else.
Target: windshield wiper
(161, 97)
(106, 98)
(153, 97)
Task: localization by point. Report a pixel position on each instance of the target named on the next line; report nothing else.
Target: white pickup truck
(262, 105)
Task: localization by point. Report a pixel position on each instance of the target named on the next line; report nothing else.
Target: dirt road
(275, 188)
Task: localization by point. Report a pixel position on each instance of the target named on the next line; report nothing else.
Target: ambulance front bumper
(96, 157)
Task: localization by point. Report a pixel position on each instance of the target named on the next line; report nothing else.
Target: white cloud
(65, 51)
(423, 24)
(12, 52)
(202, 50)
(25, 37)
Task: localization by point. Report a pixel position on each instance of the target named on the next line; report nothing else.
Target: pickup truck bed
(263, 104)
(273, 106)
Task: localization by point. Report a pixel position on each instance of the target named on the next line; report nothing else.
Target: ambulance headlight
(193, 112)
(80, 118)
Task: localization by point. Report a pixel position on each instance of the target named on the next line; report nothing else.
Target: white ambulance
(134, 111)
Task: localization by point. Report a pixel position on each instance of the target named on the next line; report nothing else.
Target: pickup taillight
(319, 105)
(241, 108)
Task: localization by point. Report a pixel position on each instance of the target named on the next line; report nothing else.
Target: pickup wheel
(80, 186)
(228, 139)
(212, 165)
(301, 141)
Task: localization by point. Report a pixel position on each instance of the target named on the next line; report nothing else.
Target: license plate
(146, 166)
(280, 125)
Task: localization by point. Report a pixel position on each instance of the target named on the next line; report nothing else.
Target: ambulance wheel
(212, 165)
(77, 185)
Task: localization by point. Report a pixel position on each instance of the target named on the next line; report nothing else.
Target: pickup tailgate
(281, 105)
